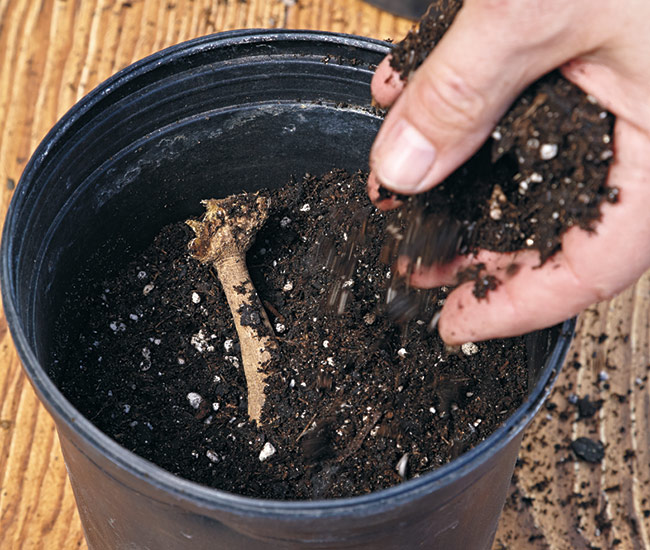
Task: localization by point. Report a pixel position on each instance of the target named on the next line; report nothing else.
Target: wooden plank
(52, 52)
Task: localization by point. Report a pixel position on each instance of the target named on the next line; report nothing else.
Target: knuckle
(446, 98)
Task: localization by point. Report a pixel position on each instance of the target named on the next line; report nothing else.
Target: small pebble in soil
(588, 450)
(267, 451)
(195, 399)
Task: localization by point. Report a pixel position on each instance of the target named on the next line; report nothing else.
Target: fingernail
(402, 158)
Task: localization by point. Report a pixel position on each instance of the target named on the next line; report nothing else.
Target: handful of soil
(543, 171)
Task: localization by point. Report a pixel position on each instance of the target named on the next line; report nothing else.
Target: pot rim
(181, 489)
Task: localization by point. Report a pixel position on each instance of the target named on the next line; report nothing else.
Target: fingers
(503, 266)
(386, 84)
(590, 268)
(532, 299)
(380, 201)
(491, 52)
(446, 112)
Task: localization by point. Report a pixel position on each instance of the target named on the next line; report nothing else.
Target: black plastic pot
(413, 9)
(201, 119)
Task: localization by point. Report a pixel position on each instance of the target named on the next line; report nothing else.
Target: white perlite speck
(212, 456)
(402, 466)
(369, 318)
(194, 399)
(200, 342)
(284, 222)
(233, 360)
(228, 345)
(548, 151)
(267, 451)
(142, 274)
(288, 286)
(401, 352)
(469, 348)
(117, 327)
(147, 289)
(305, 207)
(195, 297)
(280, 328)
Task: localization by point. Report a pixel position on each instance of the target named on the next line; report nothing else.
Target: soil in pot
(355, 402)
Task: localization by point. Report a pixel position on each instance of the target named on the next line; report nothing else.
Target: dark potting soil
(543, 170)
(355, 402)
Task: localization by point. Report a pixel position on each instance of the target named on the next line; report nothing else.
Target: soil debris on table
(543, 170)
(150, 354)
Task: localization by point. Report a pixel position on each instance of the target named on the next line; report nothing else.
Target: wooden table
(52, 52)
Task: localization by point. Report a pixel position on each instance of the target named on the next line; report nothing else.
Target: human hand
(491, 53)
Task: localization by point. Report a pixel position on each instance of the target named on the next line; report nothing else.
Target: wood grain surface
(52, 52)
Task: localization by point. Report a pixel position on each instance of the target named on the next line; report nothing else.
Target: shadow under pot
(226, 113)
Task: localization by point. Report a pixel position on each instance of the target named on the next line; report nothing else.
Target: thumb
(454, 100)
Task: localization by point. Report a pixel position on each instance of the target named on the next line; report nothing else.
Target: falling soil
(355, 402)
(542, 172)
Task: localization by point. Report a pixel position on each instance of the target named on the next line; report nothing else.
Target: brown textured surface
(54, 51)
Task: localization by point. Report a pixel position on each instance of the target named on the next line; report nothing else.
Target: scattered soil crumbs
(355, 402)
(543, 170)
